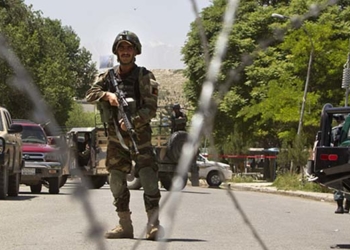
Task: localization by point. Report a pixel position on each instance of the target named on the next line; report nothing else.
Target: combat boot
(347, 206)
(340, 209)
(124, 229)
(154, 230)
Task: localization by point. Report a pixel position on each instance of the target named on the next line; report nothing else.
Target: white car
(213, 172)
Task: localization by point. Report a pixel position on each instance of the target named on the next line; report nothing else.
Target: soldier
(339, 195)
(138, 84)
(84, 150)
(178, 119)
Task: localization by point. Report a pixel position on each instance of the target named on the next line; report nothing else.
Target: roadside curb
(324, 197)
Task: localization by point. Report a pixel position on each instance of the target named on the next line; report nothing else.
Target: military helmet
(176, 106)
(339, 117)
(127, 36)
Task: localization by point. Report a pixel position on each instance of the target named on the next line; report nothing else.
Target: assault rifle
(122, 110)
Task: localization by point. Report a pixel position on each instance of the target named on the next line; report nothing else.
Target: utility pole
(302, 110)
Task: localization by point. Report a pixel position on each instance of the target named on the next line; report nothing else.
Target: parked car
(43, 162)
(213, 172)
(11, 162)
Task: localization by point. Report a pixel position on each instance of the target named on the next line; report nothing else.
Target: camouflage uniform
(119, 158)
(137, 84)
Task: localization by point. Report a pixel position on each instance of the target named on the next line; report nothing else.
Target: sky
(161, 25)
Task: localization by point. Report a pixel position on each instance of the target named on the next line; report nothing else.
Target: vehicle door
(10, 139)
(93, 149)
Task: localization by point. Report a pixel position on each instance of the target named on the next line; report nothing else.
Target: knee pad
(149, 180)
(117, 182)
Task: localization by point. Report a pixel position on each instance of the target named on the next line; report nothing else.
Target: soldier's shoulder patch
(154, 87)
(154, 91)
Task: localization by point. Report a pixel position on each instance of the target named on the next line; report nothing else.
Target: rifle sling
(120, 137)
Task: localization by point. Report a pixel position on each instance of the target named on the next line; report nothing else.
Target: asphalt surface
(268, 188)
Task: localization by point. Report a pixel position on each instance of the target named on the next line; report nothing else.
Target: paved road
(205, 218)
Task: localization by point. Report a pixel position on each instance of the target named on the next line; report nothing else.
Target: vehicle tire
(214, 179)
(174, 145)
(14, 181)
(36, 189)
(63, 180)
(133, 182)
(4, 178)
(94, 182)
(167, 181)
(54, 185)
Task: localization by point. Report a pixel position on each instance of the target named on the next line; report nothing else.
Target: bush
(242, 179)
(290, 181)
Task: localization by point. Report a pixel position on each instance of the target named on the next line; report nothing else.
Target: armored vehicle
(330, 164)
(167, 147)
(90, 164)
(87, 155)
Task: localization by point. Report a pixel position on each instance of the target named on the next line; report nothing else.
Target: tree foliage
(79, 118)
(51, 54)
(270, 59)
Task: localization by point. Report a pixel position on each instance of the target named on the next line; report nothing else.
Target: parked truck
(11, 162)
(43, 162)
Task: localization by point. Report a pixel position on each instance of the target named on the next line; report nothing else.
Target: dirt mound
(171, 83)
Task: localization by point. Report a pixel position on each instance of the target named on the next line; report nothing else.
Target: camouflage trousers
(119, 164)
(119, 158)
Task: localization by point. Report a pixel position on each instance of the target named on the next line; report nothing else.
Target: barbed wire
(201, 123)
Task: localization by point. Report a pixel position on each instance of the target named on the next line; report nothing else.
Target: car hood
(224, 165)
(35, 147)
(213, 163)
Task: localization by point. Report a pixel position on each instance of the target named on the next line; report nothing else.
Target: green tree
(269, 58)
(79, 118)
(51, 54)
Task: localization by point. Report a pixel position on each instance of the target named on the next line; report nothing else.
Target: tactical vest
(130, 86)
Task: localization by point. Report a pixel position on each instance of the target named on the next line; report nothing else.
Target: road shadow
(215, 187)
(20, 197)
(340, 246)
(182, 240)
(174, 240)
(193, 192)
(44, 193)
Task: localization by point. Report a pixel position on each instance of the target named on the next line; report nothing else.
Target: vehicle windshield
(33, 135)
(201, 158)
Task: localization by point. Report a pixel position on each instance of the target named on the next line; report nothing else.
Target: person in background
(178, 119)
(339, 195)
(84, 151)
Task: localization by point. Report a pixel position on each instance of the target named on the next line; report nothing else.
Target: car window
(33, 134)
(200, 158)
(1, 123)
(7, 120)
